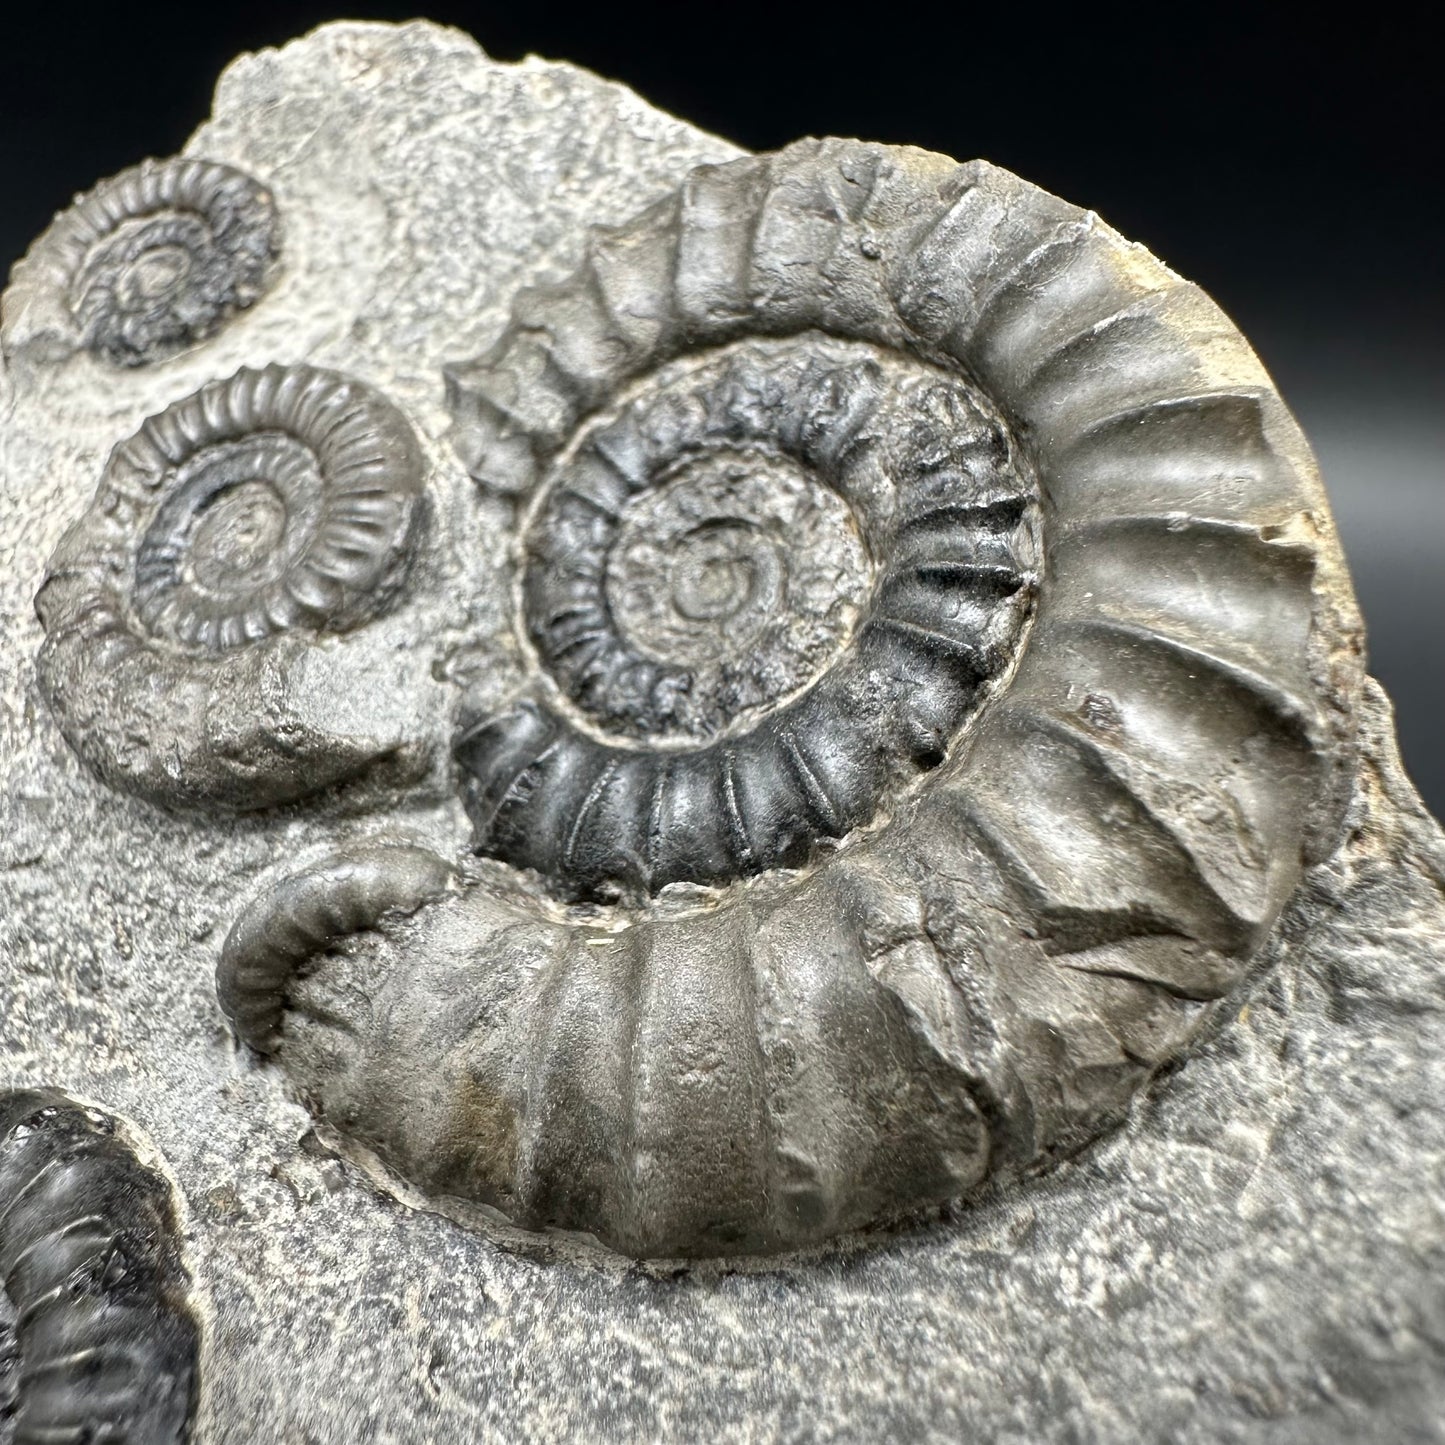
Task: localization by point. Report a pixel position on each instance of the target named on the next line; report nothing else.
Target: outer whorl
(106, 1341)
(935, 585)
(311, 914)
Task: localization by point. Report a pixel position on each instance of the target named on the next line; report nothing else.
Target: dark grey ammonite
(770, 586)
(105, 1340)
(238, 525)
(940, 671)
(149, 262)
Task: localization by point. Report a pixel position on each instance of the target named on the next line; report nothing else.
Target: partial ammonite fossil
(310, 913)
(227, 535)
(149, 262)
(941, 669)
(106, 1340)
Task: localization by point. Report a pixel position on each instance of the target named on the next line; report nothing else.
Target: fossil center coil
(766, 587)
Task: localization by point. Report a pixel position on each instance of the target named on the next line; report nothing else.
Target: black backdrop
(1292, 167)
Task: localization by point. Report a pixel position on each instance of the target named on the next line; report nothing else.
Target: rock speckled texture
(1258, 1256)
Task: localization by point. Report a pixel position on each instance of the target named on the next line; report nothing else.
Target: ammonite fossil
(940, 670)
(775, 581)
(232, 531)
(147, 263)
(106, 1342)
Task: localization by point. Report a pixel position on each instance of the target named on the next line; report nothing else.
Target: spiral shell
(151, 261)
(809, 560)
(234, 526)
(935, 583)
(107, 1342)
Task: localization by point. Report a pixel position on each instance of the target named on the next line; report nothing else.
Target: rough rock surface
(1258, 1256)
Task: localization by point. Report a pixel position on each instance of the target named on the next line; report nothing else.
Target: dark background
(1291, 166)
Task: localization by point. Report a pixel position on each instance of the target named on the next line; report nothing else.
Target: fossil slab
(702, 704)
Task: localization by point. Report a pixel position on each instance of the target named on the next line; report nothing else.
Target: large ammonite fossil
(106, 1342)
(941, 670)
(227, 535)
(150, 261)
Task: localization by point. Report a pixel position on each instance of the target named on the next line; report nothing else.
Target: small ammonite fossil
(940, 670)
(106, 1341)
(228, 534)
(149, 262)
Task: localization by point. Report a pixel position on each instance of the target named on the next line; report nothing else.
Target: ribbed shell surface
(137, 647)
(150, 261)
(981, 973)
(107, 1339)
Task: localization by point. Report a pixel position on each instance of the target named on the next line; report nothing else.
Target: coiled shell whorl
(939, 662)
(107, 1341)
(776, 582)
(1090, 349)
(151, 261)
(232, 530)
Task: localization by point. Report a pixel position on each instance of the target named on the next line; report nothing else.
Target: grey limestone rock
(798, 719)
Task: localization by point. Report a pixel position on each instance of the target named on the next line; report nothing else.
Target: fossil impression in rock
(149, 262)
(105, 1339)
(226, 536)
(938, 670)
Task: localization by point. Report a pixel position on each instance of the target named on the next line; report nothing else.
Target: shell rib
(1067, 884)
(1092, 347)
(151, 261)
(89, 1257)
(228, 533)
(309, 914)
